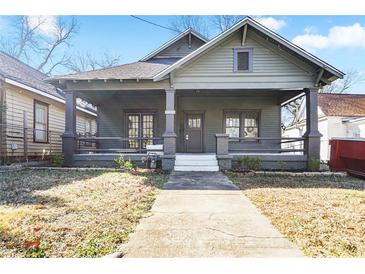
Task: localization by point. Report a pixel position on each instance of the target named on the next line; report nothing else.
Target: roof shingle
(350, 105)
(137, 70)
(16, 70)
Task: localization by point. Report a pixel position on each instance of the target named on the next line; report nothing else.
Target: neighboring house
(339, 115)
(27, 101)
(205, 101)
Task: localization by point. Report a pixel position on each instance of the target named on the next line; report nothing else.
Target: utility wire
(152, 23)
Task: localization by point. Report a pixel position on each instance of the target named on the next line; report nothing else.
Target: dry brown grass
(324, 216)
(71, 214)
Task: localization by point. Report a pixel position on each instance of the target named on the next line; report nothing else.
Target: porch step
(196, 162)
(196, 168)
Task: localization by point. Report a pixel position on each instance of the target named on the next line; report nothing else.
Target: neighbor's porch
(230, 123)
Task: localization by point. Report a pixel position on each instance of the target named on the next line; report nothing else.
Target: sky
(338, 40)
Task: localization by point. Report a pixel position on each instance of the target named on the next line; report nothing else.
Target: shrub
(313, 164)
(121, 163)
(250, 163)
(57, 159)
(281, 164)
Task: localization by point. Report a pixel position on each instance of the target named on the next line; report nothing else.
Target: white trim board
(42, 93)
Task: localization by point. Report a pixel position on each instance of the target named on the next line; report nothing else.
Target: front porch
(191, 121)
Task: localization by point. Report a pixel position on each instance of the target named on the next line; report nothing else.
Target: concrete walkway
(205, 215)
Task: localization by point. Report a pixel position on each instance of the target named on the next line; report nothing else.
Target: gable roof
(254, 24)
(349, 105)
(174, 40)
(18, 71)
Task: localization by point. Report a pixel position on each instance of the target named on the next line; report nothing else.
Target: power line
(152, 23)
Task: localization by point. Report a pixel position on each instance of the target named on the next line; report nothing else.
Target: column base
(168, 162)
(224, 162)
(169, 143)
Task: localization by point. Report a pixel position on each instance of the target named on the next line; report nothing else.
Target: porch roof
(136, 70)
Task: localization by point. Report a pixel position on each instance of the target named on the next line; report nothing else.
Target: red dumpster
(348, 154)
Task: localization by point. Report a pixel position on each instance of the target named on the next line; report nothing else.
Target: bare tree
(351, 78)
(198, 23)
(28, 41)
(291, 112)
(63, 33)
(224, 22)
(24, 39)
(85, 61)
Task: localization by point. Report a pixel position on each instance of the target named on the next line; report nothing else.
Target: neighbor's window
(40, 122)
(87, 126)
(242, 60)
(140, 125)
(244, 124)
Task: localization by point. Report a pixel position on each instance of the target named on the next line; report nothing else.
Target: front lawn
(324, 216)
(71, 214)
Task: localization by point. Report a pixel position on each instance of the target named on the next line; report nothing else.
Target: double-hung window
(40, 122)
(242, 124)
(140, 125)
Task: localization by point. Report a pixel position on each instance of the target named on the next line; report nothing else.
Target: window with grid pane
(250, 125)
(242, 124)
(140, 125)
(147, 126)
(233, 124)
(133, 130)
(40, 122)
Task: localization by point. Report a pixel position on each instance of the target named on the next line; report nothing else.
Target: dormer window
(242, 60)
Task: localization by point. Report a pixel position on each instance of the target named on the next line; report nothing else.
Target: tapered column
(312, 135)
(69, 136)
(169, 135)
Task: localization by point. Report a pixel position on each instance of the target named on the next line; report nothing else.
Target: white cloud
(311, 30)
(271, 22)
(338, 37)
(47, 24)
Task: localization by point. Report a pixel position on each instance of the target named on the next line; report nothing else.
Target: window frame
(235, 59)
(35, 103)
(140, 112)
(241, 115)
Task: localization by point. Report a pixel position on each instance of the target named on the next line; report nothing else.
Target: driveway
(202, 214)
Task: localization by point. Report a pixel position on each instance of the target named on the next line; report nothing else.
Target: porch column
(169, 136)
(69, 136)
(312, 136)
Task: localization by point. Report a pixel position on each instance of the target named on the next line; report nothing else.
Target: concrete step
(196, 157)
(180, 162)
(196, 168)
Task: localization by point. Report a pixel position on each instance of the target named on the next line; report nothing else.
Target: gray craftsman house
(206, 103)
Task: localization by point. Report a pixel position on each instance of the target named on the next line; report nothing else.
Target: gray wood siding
(111, 114)
(214, 108)
(180, 48)
(272, 68)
